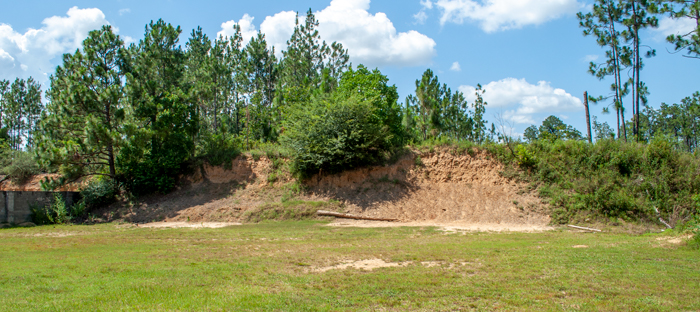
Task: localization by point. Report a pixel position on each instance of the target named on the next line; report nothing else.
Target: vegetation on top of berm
(609, 180)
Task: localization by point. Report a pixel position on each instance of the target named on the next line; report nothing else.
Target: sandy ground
(371, 264)
(193, 225)
(446, 226)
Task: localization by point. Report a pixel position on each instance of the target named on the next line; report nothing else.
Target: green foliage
(612, 178)
(19, 166)
(20, 108)
(99, 193)
(82, 130)
(678, 122)
(436, 112)
(682, 9)
(335, 133)
(55, 213)
(219, 149)
(161, 137)
(371, 86)
(552, 129)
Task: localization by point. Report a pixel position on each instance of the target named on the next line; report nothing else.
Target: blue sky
(529, 54)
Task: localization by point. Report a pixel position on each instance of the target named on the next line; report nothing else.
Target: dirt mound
(438, 188)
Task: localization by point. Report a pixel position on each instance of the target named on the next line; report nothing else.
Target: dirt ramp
(439, 187)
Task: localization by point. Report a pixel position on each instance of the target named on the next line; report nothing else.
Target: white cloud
(371, 39)
(525, 99)
(30, 54)
(247, 28)
(495, 15)
(670, 26)
(124, 11)
(426, 4)
(590, 58)
(456, 67)
(279, 28)
(420, 17)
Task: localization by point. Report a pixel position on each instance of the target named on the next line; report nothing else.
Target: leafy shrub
(55, 213)
(219, 149)
(334, 134)
(612, 179)
(154, 168)
(19, 166)
(99, 193)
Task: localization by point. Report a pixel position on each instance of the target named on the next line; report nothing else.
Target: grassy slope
(263, 267)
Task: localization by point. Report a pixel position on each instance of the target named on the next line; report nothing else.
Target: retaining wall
(15, 206)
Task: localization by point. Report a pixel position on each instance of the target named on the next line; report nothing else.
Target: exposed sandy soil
(371, 264)
(457, 192)
(193, 225)
(34, 184)
(445, 189)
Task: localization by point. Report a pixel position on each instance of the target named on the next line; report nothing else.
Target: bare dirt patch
(674, 240)
(449, 227)
(367, 265)
(192, 225)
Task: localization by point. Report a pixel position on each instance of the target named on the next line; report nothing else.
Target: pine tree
(684, 9)
(603, 22)
(82, 131)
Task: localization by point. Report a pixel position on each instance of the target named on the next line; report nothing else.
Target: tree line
(141, 114)
(616, 27)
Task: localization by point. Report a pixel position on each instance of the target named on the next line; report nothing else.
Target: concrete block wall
(15, 206)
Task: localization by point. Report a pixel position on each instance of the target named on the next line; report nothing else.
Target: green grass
(264, 267)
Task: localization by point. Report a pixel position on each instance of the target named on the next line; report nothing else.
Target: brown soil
(33, 184)
(446, 188)
(462, 191)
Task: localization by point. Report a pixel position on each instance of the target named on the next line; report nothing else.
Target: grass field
(271, 267)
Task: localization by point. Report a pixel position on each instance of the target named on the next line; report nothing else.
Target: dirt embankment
(444, 188)
(437, 187)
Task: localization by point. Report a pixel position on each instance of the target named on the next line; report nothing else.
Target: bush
(19, 166)
(99, 193)
(55, 213)
(333, 134)
(612, 179)
(219, 149)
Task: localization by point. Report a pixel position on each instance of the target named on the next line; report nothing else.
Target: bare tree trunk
(588, 116)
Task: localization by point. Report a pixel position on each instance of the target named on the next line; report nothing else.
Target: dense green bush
(333, 133)
(19, 166)
(612, 179)
(219, 149)
(55, 213)
(99, 193)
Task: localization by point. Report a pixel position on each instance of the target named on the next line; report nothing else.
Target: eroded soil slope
(445, 188)
(438, 187)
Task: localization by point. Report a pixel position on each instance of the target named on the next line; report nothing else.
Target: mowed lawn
(273, 267)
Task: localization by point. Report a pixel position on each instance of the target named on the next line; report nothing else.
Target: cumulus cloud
(247, 28)
(670, 26)
(30, 54)
(371, 39)
(495, 15)
(456, 67)
(278, 29)
(521, 100)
